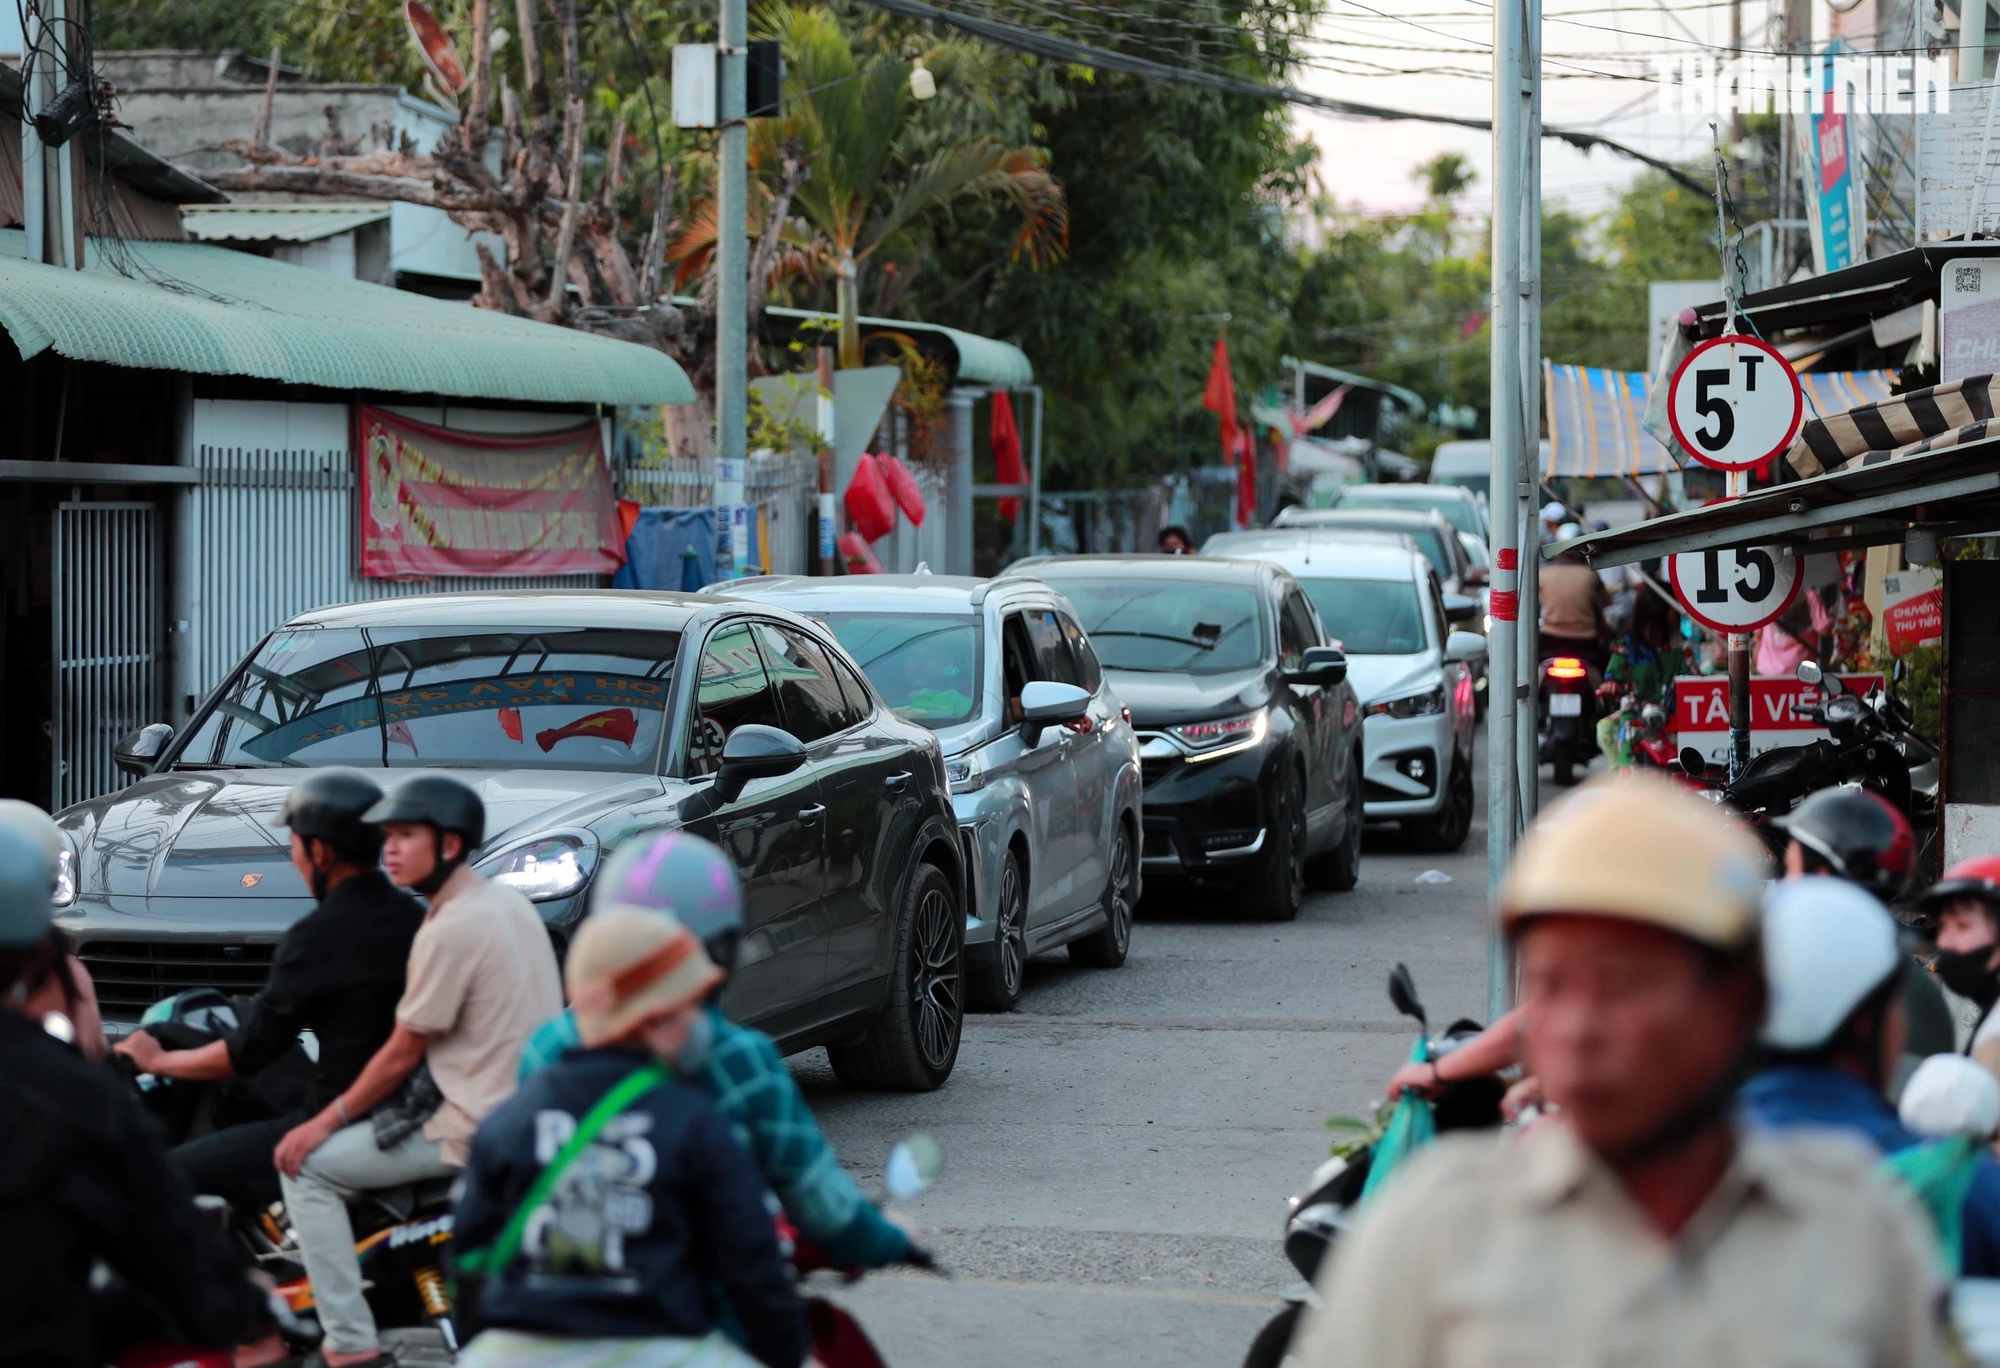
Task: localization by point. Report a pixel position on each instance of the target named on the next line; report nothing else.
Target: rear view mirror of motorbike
(913, 1166)
(1403, 993)
(1693, 762)
(1809, 672)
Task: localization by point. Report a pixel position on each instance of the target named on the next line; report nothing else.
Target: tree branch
(566, 236)
(476, 127)
(320, 180)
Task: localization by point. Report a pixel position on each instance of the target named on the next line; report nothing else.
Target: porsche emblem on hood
(252, 880)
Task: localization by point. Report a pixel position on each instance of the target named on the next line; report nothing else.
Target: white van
(1471, 464)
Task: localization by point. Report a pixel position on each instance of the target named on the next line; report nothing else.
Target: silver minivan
(1042, 759)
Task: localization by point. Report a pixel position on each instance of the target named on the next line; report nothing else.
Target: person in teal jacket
(740, 1068)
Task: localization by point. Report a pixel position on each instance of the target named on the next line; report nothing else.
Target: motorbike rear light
(1567, 667)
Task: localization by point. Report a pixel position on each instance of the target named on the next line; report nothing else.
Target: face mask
(1965, 973)
(691, 1059)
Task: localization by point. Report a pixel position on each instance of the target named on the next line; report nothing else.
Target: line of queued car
(924, 780)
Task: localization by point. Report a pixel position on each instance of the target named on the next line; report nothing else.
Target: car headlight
(65, 893)
(1425, 704)
(1223, 735)
(551, 868)
(964, 772)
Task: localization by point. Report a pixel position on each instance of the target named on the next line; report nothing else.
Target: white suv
(1379, 598)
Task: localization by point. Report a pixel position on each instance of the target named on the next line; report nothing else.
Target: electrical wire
(1044, 44)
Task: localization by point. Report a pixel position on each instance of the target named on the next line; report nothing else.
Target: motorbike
(402, 1235)
(838, 1339)
(1566, 704)
(1872, 744)
(1319, 1212)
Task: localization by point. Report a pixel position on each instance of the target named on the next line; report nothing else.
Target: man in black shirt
(338, 972)
(83, 1178)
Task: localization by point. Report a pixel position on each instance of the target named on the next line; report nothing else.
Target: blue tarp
(655, 553)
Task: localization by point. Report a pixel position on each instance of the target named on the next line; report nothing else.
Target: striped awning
(1594, 423)
(1597, 416)
(1894, 427)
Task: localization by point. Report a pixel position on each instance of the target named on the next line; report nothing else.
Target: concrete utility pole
(1512, 394)
(50, 179)
(732, 279)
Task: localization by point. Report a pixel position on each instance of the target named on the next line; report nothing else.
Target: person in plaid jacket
(740, 1068)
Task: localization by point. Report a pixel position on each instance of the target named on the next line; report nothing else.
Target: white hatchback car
(1379, 598)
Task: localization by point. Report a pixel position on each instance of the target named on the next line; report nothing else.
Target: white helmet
(1951, 1095)
(1828, 946)
(1553, 512)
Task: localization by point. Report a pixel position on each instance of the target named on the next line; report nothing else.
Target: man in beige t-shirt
(482, 977)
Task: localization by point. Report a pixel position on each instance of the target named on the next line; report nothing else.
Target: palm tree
(863, 190)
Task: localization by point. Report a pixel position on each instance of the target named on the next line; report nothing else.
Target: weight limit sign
(1738, 590)
(1734, 403)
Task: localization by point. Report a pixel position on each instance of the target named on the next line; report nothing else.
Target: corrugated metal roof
(211, 311)
(981, 360)
(278, 222)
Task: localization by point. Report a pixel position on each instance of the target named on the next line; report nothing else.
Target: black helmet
(331, 805)
(1858, 836)
(439, 801)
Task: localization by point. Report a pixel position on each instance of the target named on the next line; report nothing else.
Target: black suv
(1250, 734)
(582, 718)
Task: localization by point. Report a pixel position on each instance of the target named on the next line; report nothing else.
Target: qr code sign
(1965, 280)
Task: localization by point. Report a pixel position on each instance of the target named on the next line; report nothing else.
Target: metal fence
(269, 534)
(105, 610)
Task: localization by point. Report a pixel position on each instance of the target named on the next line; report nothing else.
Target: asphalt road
(1119, 1148)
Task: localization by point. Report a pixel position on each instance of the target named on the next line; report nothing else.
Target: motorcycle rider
(84, 1178)
(1573, 599)
(1965, 904)
(605, 1197)
(70, 992)
(338, 972)
(1835, 1032)
(481, 976)
(1852, 834)
(1842, 833)
(740, 1069)
(1640, 1225)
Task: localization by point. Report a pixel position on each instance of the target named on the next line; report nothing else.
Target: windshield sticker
(503, 694)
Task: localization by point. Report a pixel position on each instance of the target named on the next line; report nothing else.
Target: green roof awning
(277, 222)
(185, 306)
(981, 360)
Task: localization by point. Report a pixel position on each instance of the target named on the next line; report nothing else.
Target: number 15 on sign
(1737, 590)
(1734, 403)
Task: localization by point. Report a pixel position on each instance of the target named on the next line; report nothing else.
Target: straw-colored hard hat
(1641, 849)
(631, 963)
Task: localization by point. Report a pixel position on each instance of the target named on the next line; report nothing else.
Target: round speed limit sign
(1735, 403)
(1735, 591)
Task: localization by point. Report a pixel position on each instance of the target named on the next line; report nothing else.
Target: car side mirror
(138, 751)
(1045, 704)
(1463, 646)
(1475, 574)
(754, 751)
(1323, 666)
(1460, 608)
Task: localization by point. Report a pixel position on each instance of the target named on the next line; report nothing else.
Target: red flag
(1005, 438)
(510, 722)
(619, 724)
(1246, 479)
(399, 732)
(1218, 396)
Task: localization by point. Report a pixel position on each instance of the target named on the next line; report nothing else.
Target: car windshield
(1428, 541)
(1369, 617)
(1169, 624)
(925, 665)
(458, 697)
(1458, 512)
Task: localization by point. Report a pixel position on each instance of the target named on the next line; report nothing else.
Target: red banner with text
(438, 502)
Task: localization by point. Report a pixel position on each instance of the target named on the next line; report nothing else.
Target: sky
(1436, 56)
